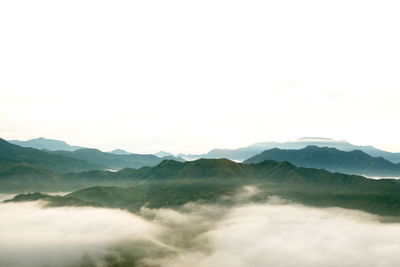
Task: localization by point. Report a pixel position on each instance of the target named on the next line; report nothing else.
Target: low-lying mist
(274, 233)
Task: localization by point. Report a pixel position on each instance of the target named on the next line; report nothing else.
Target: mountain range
(111, 160)
(115, 159)
(83, 159)
(172, 184)
(244, 153)
(148, 180)
(239, 154)
(331, 159)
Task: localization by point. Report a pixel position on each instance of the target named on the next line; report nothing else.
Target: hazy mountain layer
(163, 154)
(332, 159)
(119, 152)
(255, 149)
(111, 160)
(57, 145)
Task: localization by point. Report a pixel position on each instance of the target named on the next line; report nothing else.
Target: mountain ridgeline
(111, 160)
(202, 170)
(172, 183)
(244, 153)
(332, 159)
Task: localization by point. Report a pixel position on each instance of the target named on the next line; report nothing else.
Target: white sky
(188, 76)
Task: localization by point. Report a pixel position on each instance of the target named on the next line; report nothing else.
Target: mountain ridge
(243, 153)
(332, 159)
(110, 160)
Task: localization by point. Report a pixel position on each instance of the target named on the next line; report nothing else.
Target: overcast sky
(188, 76)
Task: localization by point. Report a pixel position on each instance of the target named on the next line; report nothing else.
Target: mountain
(244, 153)
(172, 184)
(170, 171)
(201, 168)
(111, 160)
(119, 152)
(24, 176)
(43, 143)
(175, 158)
(14, 154)
(332, 159)
(162, 154)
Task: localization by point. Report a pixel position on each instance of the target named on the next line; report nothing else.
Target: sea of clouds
(274, 233)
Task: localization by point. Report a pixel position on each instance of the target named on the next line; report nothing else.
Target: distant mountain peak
(46, 140)
(119, 152)
(44, 143)
(315, 138)
(162, 154)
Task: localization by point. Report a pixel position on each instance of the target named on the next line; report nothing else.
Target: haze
(189, 76)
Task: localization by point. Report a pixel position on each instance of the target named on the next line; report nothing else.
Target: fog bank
(274, 233)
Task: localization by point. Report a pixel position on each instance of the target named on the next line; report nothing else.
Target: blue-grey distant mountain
(162, 154)
(43, 143)
(244, 153)
(119, 152)
(332, 159)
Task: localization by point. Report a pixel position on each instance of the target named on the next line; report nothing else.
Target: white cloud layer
(273, 234)
(34, 236)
